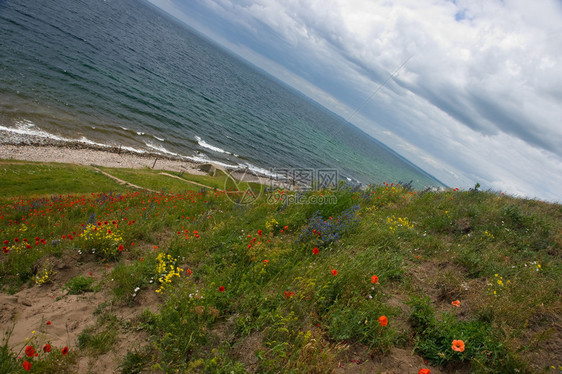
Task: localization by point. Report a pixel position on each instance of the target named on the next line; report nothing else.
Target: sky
(468, 90)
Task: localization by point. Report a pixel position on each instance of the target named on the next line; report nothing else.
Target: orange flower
(374, 279)
(456, 303)
(383, 321)
(458, 346)
(424, 371)
(334, 272)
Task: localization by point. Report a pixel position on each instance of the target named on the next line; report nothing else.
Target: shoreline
(40, 149)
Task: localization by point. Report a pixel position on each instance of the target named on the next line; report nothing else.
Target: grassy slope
(499, 256)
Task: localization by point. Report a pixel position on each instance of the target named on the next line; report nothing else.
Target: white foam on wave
(260, 171)
(26, 127)
(204, 144)
(161, 149)
(202, 158)
(157, 138)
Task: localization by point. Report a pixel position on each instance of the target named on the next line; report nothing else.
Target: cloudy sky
(470, 91)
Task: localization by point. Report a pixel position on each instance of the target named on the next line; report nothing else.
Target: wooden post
(154, 162)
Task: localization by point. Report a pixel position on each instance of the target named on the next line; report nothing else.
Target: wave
(28, 128)
(204, 144)
(260, 171)
(161, 149)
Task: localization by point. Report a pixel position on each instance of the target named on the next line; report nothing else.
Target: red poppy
(16, 240)
(424, 371)
(48, 323)
(26, 365)
(383, 321)
(188, 272)
(29, 351)
(334, 272)
(315, 251)
(47, 348)
(456, 303)
(286, 227)
(64, 351)
(5, 249)
(121, 248)
(289, 294)
(221, 289)
(374, 279)
(260, 232)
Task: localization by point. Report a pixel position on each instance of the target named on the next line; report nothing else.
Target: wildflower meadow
(382, 279)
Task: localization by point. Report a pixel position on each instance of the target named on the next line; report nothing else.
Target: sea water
(123, 73)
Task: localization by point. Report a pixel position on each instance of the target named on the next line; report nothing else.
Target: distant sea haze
(124, 73)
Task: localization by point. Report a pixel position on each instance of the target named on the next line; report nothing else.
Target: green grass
(38, 179)
(229, 291)
(79, 284)
(153, 180)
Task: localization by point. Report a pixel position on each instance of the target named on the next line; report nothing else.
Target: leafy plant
(79, 285)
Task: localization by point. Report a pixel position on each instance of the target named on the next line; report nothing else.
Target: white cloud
(479, 100)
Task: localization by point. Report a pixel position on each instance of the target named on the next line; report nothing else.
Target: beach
(41, 149)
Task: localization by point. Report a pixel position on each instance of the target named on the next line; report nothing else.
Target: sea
(123, 73)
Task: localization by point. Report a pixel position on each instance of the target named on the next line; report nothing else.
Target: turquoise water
(120, 72)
